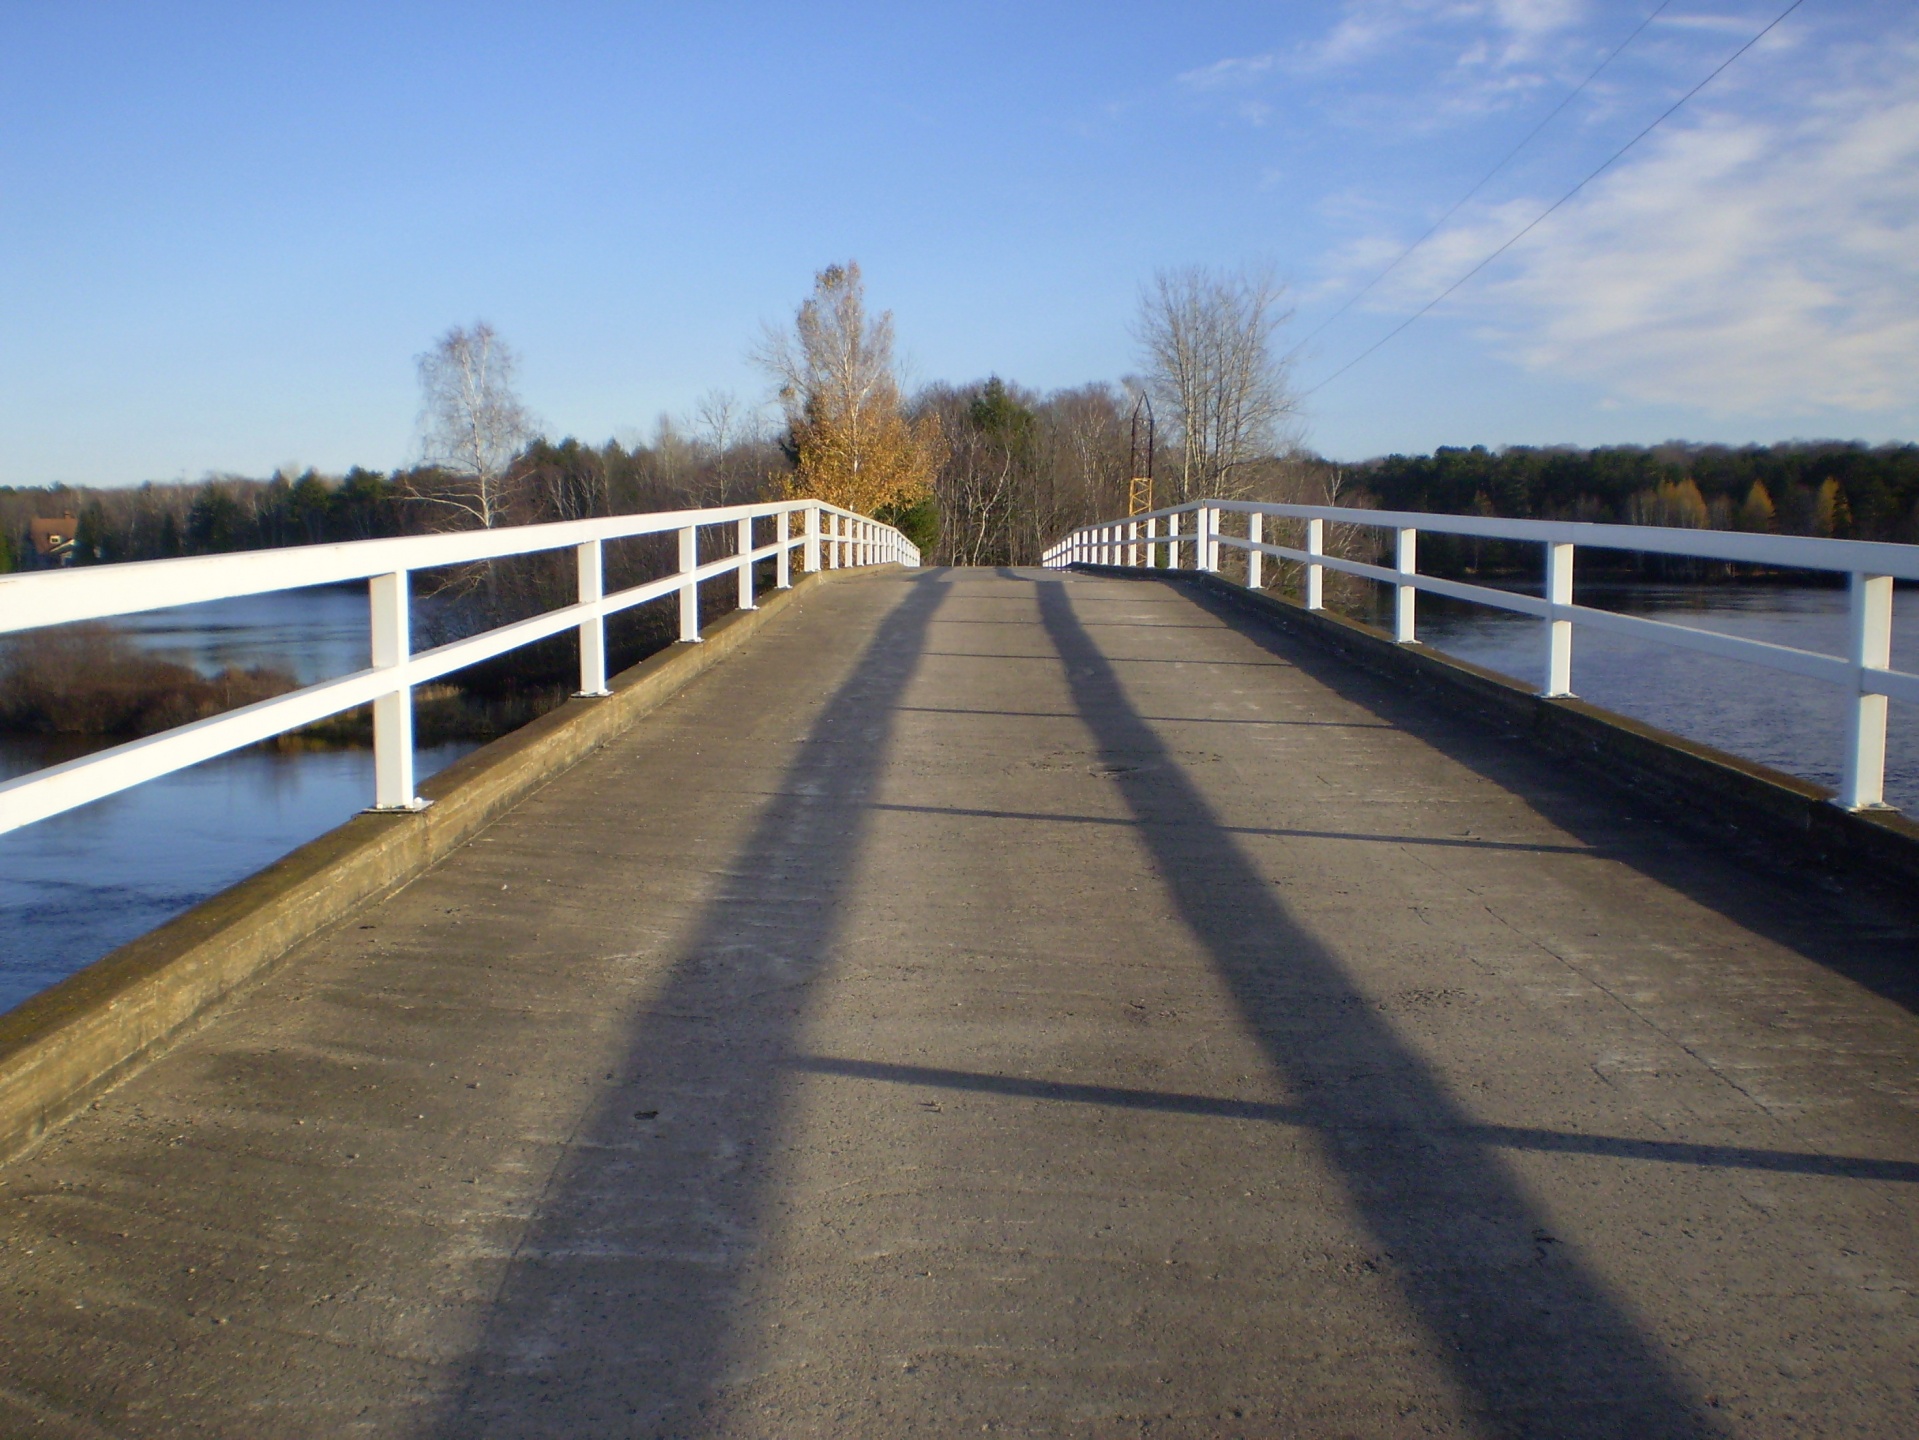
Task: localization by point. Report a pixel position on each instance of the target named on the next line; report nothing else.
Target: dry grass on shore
(88, 680)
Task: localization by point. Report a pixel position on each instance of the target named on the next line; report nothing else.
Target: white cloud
(1740, 25)
(1761, 260)
(1228, 74)
(1499, 32)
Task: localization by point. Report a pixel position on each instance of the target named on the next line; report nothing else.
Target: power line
(1531, 134)
(1531, 225)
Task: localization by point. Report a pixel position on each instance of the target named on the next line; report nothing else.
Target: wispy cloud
(1493, 32)
(1761, 260)
(1469, 57)
(1230, 74)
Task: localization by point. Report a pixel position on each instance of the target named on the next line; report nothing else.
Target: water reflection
(316, 633)
(1789, 723)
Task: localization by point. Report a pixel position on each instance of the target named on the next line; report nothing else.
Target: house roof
(53, 533)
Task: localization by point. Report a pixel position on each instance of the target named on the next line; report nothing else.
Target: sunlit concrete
(1029, 1003)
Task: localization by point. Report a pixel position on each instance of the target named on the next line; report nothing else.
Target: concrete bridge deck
(1022, 1003)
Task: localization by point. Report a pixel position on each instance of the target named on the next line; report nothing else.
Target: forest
(1020, 469)
(987, 472)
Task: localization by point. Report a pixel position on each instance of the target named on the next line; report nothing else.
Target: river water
(1789, 723)
(75, 886)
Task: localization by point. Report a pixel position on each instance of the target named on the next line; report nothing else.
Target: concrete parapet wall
(76, 1039)
(1794, 818)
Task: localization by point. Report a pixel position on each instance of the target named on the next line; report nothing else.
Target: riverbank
(92, 685)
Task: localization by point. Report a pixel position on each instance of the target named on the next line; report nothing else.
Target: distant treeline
(1019, 469)
(550, 481)
(1820, 487)
(1845, 490)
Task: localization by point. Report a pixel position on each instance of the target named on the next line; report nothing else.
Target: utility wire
(1531, 135)
(1534, 223)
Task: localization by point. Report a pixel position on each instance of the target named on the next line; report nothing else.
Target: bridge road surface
(1026, 1004)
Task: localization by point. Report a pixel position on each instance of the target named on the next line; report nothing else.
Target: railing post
(812, 537)
(1863, 786)
(1405, 597)
(1315, 574)
(590, 562)
(393, 711)
(1152, 534)
(1172, 541)
(745, 529)
(1255, 562)
(1559, 633)
(1132, 544)
(689, 586)
(836, 545)
(783, 562)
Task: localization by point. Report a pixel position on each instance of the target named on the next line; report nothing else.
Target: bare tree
(1207, 337)
(722, 422)
(472, 423)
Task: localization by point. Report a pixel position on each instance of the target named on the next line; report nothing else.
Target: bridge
(1100, 999)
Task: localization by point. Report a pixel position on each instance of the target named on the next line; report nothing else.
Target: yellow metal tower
(1139, 495)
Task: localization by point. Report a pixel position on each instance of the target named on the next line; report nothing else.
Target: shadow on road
(617, 1315)
(1856, 931)
(1526, 1328)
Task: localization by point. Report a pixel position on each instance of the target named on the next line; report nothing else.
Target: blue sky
(227, 231)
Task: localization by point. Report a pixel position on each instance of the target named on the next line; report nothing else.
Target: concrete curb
(74, 1040)
(1695, 783)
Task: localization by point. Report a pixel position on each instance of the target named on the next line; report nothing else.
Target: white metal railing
(1160, 539)
(831, 538)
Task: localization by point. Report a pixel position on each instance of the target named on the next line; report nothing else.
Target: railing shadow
(618, 1312)
(1266, 1112)
(1539, 1345)
(1864, 935)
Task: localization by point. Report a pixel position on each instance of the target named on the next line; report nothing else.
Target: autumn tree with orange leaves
(848, 434)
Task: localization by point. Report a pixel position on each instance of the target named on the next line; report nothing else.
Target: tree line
(1844, 490)
(984, 473)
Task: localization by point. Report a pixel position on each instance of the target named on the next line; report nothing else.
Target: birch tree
(472, 424)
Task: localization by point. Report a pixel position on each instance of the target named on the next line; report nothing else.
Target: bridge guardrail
(830, 537)
(1865, 674)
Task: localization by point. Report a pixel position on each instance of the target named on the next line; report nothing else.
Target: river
(1789, 723)
(75, 886)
